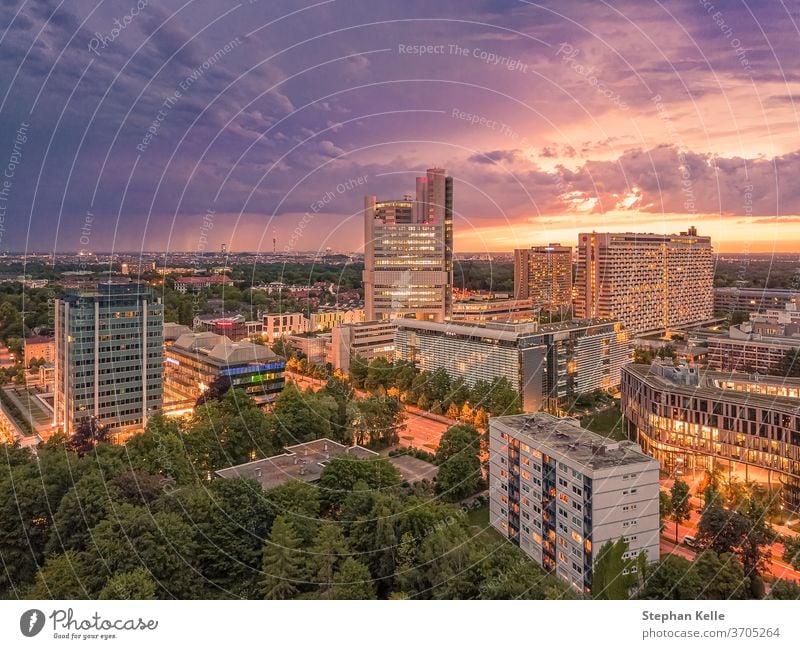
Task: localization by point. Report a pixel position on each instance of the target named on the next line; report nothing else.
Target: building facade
(368, 340)
(730, 298)
(549, 365)
(279, 325)
(40, 347)
(692, 421)
(195, 360)
(560, 493)
(543, 274)
(109, 357)
(479, 309)
(408, 252)
(651, 282)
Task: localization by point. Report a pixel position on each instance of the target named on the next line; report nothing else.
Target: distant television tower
(222, 248)
(274, 241)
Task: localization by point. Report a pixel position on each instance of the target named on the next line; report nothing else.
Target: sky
(165, 125)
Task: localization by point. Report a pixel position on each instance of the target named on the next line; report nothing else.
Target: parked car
(690, 541)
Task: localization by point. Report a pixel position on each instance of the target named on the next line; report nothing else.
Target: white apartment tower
(651, 282)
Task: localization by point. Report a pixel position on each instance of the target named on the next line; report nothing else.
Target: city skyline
(549, 125)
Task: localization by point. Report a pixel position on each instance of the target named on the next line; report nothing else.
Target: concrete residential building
(651, 282)
(730, 298)
(543, 274)
(691, 421)
(759, 345)
(369, 340)
(408, 252)
(550, 365)
(560, 493)
(195, 360)
(109, 357)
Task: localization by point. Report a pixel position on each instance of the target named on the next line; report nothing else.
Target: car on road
(689, 540)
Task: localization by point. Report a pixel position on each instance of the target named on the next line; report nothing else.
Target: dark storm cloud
(323, 95)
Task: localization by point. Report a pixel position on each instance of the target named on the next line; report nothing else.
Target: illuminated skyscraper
(543, 274)
(408, 252)
(649, 281)
(109, 357)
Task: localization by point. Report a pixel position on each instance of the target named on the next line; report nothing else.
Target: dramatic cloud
(553, 117)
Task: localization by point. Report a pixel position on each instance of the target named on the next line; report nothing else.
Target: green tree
(459, 463)
(61, 577)
(672, 578)
(327, 555)
(134, 585)
(721, 576)
(159, 449)
(161, 543)
(612, 577)
(282, 563)
(664, 509)
(681, 507)
(299, 503)
(785, 589)
(230, 521)
(352, 581)
(226, 432)
(342, 474)
(303, 416)
(377, 421)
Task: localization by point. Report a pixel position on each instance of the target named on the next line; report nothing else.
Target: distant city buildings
(108, 357)
(196, 360)
(651, 282)
(690, 420)
(560, 493)
(183, 284)
(550, 365)
(408, 252)
(543, 274)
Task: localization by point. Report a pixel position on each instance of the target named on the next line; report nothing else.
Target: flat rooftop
(566, 438)
(711, 385)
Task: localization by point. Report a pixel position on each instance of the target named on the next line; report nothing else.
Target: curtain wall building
(109, 357)
(408, 252)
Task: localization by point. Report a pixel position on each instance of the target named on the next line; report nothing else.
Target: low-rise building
(311, 346)
(40, 347)
(328, 319)
(693, 420)
(479, 309)
(560, 493)
(195, 360)
(279, 325)
(307, 461)
(368, 340)
(730, 298)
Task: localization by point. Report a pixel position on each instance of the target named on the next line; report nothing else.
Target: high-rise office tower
(543, 274)
(109, 357)
(408, 252)
(649, 281)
